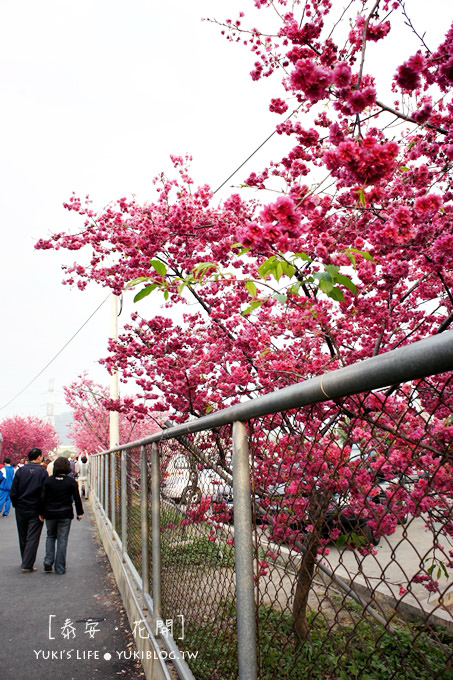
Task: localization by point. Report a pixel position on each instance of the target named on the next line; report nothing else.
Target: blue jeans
(57, 533)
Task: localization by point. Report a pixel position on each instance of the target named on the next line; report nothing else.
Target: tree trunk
(309, 549)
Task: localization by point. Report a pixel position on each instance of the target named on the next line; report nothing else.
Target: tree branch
(398, 114)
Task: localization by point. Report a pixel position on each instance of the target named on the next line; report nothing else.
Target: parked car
(184, 483)
(339, 516)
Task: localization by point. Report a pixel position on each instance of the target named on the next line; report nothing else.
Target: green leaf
(159, 267)
(269, 264)
(361, 195)
(242, 249)
(302, 256)
(251, 288)
(166, 294)
(288, 269)
(294, 289)
(278, 271)
(357, 540)
(363, 253)
(323, 277)
(203, 267)
(347, 283)
(253, 305)
(336, 294)
(280, 297)
(135, 282)
(326, 284)
(332, 269)
(276, 268)
(341, 541)
(144, 292)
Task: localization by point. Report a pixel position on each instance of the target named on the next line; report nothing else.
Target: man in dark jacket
(25, 497)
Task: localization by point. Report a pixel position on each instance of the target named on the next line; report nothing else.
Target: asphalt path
(65, 627)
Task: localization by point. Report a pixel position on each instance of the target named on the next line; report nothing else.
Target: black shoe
(47, 567)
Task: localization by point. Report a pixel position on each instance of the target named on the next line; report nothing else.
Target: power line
(253, 153)
(55, 356)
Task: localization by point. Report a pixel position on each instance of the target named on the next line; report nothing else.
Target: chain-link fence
(312, 540)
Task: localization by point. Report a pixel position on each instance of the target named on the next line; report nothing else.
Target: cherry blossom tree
(21, 435)
(351, 259)
(91, 406)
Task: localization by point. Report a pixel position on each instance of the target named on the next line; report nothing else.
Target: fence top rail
(426, 357)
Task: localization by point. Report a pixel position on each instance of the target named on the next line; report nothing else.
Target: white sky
(96, 94)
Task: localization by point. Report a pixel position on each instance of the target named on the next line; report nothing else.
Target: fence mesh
(353, 495)
(197, 552)
(352, 508)
(133, 523)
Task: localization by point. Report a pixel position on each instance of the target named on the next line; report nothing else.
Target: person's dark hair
(84, 459)
(62, 466)
(7, 461)
(34, 454)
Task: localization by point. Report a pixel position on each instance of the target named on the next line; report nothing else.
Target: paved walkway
(69, 627)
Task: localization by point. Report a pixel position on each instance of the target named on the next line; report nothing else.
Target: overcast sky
(96, 94)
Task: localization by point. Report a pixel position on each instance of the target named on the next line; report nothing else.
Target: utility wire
(252, 154)
(54, 357)
(246, 161)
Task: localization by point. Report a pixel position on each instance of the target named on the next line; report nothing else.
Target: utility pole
(114, 392)
(50, 411)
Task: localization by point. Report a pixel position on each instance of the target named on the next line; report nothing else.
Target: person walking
(6, 479)
(56, 507)
(73, 463)
(82, 477)
(50, 465)
(25, 495)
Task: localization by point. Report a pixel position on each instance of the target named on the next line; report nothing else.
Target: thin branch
(384, 107)
(365, 29)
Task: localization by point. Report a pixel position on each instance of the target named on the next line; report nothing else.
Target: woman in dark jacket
(57, 495)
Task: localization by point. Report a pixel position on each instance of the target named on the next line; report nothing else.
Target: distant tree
(91, 408)
(20, 435)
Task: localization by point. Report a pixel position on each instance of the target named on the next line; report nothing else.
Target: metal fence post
(102, 480)
(99, 478)
(113, 489)
(97, 475)
(155, 530)
(106, 484)
(144, 518)
(243, 546)
(123, 502)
